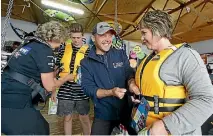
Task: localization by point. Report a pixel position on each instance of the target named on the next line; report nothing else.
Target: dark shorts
(68, 107)
(27, 121)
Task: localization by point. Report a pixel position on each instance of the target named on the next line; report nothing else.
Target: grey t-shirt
(185, 67)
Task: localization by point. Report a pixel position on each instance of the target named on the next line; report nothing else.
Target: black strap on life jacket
(156, 109)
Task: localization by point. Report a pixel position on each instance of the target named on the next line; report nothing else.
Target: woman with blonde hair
(34, 60)
(174, 79)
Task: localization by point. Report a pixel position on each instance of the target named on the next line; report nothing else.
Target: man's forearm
(130, 81)
(133, 88)
(60, 82)
(104, 93)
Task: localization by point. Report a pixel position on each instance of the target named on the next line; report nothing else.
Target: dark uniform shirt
(31, 60)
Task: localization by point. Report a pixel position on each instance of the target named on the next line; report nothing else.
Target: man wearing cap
(106, 74)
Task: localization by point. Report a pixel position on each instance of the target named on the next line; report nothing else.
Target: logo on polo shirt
(117, 64)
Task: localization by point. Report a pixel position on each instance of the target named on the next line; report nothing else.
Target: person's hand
(158, 128)
(53, 96)
(69, 77)
(119, 92)
(56, 72)
(133, 87)
(135, 100)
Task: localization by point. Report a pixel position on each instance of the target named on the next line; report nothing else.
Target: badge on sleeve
(25, 50)
(51, 61)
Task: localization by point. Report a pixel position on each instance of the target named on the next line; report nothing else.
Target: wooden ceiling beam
(188, 26)
(170, 12)
(194, 7)
(32, 10)
(178, 19)
(211, 1)
(181, 6)
(206, 24)
(37, 6)
(99, 9)
(129, 33)
(95, 5)
(178, 38)
(127, 13)
(19, 16)
(123, 13)
(200, 4)
(165, 4)
(153, 8)
(199, 13)
(119, 19)
(201, 26)
(138, 16)
(179, 2)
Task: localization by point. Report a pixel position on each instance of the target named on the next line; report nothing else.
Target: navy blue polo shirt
(106, 72)
(31, 60)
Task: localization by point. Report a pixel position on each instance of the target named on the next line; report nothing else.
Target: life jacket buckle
(156, 104)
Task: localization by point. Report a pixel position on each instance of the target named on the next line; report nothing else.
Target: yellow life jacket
(67, 57)
(163, 99)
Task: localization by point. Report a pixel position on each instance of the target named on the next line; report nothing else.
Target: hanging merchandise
(141, 55)
(113, 24)
(75, 1)
(137, 53)
(82, 1)
(137, 49)
(133, 63)
(117, 43)
(87, 1)
(132, 55)
(59, 15)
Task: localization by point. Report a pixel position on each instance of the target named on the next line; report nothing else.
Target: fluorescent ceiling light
(62, 7)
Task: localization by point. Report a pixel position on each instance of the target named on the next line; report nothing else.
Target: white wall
(26, 26)
(203, 46)
(130, 45)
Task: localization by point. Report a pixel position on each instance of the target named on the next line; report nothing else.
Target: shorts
(68, 107)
